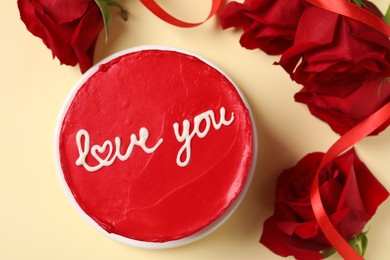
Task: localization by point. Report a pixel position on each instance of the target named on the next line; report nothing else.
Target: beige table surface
(38, 222)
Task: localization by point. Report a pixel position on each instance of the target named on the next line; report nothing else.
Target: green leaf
(103, 6)
(359, 243)
(387, 15)
(357, 2)
(328, 253)
(364, 241)
(355, 244)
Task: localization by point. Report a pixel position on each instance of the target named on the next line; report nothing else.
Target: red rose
(341, 64)
(349, 192)
(268, 24)
(335, 54)
(342, 113)
(69, 28)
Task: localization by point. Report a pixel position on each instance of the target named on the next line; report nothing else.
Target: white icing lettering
(207, 118)
(83, 146)
(106, 154)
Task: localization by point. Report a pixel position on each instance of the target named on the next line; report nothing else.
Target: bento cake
(155, 146)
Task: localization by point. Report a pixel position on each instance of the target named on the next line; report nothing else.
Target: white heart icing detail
(102, 149)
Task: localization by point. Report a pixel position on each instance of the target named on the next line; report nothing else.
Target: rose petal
(85, 36)
(232, 15)
(58, 39)
(284, 245)
(330, 194)
(307, 230)
(69, 28)
(268, 25)
(350, 197)
(373, 192)
(344, 112)
(64, 11)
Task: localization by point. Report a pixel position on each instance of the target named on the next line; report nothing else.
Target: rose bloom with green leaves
(69, 28)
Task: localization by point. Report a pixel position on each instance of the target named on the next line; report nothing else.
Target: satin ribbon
(350, 138)
(353, 11)
(346, 8)
(157, 10)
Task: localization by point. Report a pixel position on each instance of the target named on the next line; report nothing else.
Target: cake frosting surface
(156, 145)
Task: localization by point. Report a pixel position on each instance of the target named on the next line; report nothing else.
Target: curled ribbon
(157, 10)
(351, 10)
(353, 136)
(350, 138)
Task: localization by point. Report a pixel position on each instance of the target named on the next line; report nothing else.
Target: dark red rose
(268, 24)
(342, 113)
(69, 28)
(349, 192)
(335, 54)
(341, 64)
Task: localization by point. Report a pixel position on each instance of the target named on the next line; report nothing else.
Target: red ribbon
(353, 11)
(353, 136)
(156, 9)
(348, 9)
(350, 138)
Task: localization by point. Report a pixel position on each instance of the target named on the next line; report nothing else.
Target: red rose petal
(85, 36)
(64, 11)
(284, 245)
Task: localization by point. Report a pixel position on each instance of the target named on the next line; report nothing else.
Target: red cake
(155, 146)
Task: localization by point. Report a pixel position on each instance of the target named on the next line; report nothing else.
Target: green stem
(359, 243)
(105, 10)
(106, 15)
(387, 15)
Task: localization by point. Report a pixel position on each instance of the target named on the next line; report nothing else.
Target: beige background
(38, 222)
